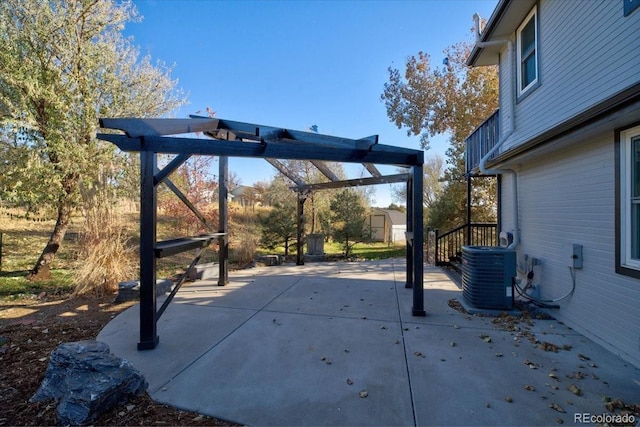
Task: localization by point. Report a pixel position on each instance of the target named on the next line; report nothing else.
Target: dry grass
(106, 254)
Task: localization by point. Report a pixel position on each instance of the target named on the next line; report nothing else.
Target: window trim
(624, 264)
(524, 91)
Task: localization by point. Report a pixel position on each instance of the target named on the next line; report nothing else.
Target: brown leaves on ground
(30, 329)
(620, 407)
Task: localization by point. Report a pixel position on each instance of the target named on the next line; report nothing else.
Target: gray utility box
(488, 273)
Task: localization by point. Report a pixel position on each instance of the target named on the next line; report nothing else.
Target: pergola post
(148, 202)
(409, 248)
(299, 242)
(223, 223)
(418, 251)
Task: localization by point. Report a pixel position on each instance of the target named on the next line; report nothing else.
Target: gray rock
(130, 290)
(86, 381)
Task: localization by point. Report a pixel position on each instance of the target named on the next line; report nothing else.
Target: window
(527, 53)
(630, 6)
(628, 193)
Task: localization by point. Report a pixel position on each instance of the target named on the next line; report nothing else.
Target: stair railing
(448, 246)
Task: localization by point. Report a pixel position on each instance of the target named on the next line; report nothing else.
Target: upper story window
(527, 53)
(628, 194)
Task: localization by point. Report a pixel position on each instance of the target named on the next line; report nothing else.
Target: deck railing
(448, 246)
(482, 140)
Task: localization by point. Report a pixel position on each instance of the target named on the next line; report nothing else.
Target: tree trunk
(42, 269)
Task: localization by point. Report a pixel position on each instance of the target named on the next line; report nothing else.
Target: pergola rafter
(356, 182)
(229, 138)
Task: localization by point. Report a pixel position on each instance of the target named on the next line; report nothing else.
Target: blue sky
(294, 64)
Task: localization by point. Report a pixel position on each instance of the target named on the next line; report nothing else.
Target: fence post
(436, 252)
(428, 245)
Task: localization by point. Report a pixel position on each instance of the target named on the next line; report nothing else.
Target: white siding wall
(588, 51)
(569, 198)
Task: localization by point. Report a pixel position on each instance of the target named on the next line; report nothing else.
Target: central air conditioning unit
(488, 273)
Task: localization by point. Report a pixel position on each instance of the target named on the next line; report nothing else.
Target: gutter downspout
(503, 138)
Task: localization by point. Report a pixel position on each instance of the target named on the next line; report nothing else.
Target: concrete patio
(335, 344)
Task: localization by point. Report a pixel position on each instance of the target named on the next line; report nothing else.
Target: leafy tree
(432, 182)
(279, 226)
(452, 100)
(278, 192)
(64, 63)
(395, 207)
(196, 181)
(348, 217)
(317, 203)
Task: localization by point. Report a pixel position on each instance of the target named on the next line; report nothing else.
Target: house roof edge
(488, 30)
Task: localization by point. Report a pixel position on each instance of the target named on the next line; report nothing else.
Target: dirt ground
(31, 328)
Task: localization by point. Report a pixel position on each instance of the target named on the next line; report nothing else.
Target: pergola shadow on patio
(227, 138)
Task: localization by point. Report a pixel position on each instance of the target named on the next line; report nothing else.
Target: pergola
(227, 138)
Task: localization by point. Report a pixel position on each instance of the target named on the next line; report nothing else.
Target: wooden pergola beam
(389, 179)
(285, 171)
(147, 127)
(380, 154)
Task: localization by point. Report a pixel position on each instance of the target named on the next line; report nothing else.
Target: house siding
(578, 68)
(568, 197)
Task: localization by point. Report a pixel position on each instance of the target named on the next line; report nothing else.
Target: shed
(387, 225)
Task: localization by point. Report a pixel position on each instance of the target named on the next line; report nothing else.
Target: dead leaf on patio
(547, 346)
(583, 357)
(556, 407)
(485, 338)
(349, 381)
(575, 390)
(530, 364)
(554, 376)
(578, 375)
(509, 399)
(418, 354)
(529, 387)
(363, 393)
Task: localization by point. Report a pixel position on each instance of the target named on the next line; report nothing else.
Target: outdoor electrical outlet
(576, 256)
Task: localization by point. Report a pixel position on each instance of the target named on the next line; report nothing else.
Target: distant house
(566, 147)
(387, 225)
